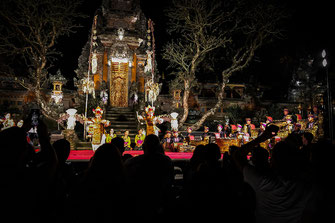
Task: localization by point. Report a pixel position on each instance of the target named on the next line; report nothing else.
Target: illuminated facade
(120, 51)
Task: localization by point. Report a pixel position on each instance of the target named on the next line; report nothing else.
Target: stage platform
(85, 155)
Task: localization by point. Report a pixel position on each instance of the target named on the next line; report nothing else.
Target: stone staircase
(122, 119)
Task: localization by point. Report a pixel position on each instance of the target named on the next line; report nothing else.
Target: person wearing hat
(98, 136)
(288, 115)
(189, 135)
(297, 128)
(269, 120)
(312, 125)
(167, 142)
(262, 128)
(315, 112)
(176, 138)
(248, 126)
(286, 112)
(289, 125)
(237, 131)
(205, 134)
(220, 133)
(226, 130)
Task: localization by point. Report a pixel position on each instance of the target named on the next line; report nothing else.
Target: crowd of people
(294, 184)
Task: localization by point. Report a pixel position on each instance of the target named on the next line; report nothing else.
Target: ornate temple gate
(118, 85)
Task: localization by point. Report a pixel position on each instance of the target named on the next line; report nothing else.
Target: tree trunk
(212, 111)
(185, 102)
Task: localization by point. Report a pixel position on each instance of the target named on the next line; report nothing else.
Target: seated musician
(312, 125)
(261, 128)
(190, 135)
(269, 120)
(139, 139)
(127, 140)
(205, 134)
(238, 132)
(248, 127)
(289, 127)
(176, 138)
(110, 136)
(297, 128)
(167, 142)
(220, 133)
(226, 131)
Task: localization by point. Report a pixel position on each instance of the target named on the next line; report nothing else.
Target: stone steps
(122, 119)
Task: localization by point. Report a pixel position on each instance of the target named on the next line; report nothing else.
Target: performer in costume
(167, 142)
(110, 136)
(286, 112)
(239, 133)
(248, 127)
(269, 120)
(139, 139)
(290, 126)
(127, 140)
(151, 121)
(288, 115)
(262, 128)
(226, 130)
(206, 133)
(97, 126)
(220, 133)
(7, 122)
(189, 136)
(315, 112)
(312, 126)
(297, 128)
(176, 138)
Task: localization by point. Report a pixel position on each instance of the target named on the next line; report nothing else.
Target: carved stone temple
(119, 50)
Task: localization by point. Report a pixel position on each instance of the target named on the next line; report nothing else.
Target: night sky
(309, 30)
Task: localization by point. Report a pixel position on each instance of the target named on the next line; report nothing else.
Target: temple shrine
(120, 50)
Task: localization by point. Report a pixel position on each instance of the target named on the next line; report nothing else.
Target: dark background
(309, 30)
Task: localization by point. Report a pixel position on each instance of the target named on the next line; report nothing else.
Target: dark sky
(309, 30)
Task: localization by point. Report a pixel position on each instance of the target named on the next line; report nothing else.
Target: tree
(233, 30)
(28, 32)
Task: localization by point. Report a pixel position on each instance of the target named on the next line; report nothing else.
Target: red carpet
(85, 155)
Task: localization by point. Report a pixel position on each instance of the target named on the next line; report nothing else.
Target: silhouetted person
(100, 195)
(119, 143)
(65, 177)
(282, 195)
(260, 160)
(321, 207)
(207, 194)
(27, 179)
(151, 175)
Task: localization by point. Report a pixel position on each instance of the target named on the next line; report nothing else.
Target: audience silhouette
(150, 176)
(99, 196)
(293, 185)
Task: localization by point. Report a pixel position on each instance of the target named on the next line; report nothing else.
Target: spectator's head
(62, 149)
(152, 145)
(285, 160)
(15, 150)
(106, 162)
(294, 140)
(119, 143)
(307, 138)
(260, 158)
(213, 152)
